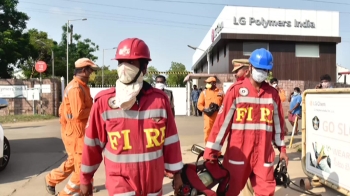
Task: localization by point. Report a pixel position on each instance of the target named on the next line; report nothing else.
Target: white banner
(46, 88)
(328, 137)
(13, 91)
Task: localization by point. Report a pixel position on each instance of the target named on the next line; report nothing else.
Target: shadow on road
(100, 187)
(30, 157)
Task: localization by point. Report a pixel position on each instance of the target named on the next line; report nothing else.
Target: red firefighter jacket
(138, 144)
(253, 119)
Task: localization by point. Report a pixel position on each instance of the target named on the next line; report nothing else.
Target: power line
(109, 15)
(133, 8)
(113, 14)
(188, 2)
(91, 16)
(329, 2)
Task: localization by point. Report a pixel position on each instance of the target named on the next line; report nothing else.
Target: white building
(303, 42)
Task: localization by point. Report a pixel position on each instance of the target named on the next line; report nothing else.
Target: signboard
(33, 94)
(265, 23)
(45, 88)
(13, 91)
(226, 85)
(40, 66)
(327, 125)
(217, 30)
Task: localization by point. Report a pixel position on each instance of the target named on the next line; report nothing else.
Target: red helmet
(131, 49)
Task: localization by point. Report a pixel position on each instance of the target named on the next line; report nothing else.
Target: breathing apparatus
(200, 179)
(282, 179)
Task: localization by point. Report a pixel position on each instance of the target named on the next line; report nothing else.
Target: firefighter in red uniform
(252, 115)
(133, 125)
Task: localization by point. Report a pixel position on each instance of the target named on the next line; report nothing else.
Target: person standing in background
(240, 69)
(160, 84)
(209, 102)
(325, 82)
(194, 97)
(294, 112)
(281, 92)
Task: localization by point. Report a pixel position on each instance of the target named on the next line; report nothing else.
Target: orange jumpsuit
(207, 97)
(59, 174)
(282, 95)
(76, 110)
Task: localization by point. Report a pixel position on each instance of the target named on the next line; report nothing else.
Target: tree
(80, 49)
(40, 49)
(177, 79)
(13, 41)
(151, 76)
(110, 77)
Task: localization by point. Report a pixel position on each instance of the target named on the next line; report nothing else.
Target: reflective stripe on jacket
(138, 144)
(245, 114)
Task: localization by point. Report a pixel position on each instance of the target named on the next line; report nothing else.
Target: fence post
(188, 87)
(62, 88)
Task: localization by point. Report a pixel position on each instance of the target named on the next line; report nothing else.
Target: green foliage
(78, 49)
(150, 77)
(7, 119)
(270, 76)
(110, 77)
(175, 79)
(40, 46)
(14, 43)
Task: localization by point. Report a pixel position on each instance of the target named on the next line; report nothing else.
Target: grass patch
(24, 118)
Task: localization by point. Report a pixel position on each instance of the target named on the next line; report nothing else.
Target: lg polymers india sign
(265, 23)
(328, 135)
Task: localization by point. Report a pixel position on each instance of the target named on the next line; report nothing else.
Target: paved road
(37, 148)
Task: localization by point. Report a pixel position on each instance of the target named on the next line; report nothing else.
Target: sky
(167, 26)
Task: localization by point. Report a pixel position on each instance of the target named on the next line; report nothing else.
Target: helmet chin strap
(136, 77)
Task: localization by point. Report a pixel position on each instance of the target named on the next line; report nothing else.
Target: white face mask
(274, 85)
(126, 93)
(259, 75)
(160, 86)
(296, 93)
(127, 72)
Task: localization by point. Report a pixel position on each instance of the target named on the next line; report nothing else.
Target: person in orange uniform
(74, 112)
(209, 102)
(56, 175)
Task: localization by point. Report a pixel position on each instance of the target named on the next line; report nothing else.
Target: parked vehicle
(5, 150)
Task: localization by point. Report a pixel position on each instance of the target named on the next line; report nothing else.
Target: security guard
(160, 84)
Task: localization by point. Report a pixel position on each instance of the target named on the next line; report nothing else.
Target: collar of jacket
(146, 89)
(80, 81)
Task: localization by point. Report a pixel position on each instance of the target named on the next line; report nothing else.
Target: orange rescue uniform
(207, 97)
(59, 174)
(76, 110)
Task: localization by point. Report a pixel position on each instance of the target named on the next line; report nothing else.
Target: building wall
(286, 65)
(219, 59)
(18, 106)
